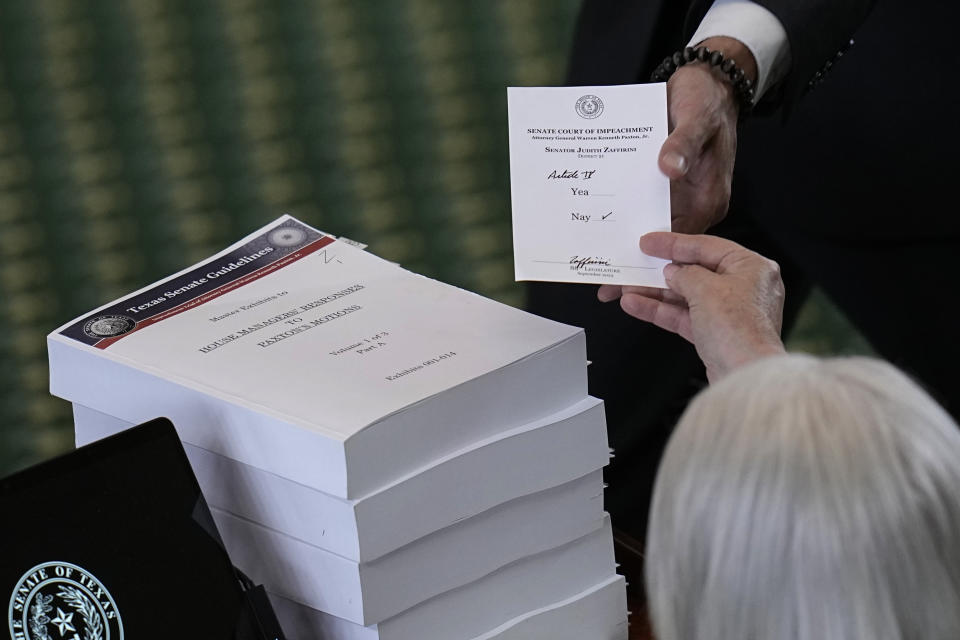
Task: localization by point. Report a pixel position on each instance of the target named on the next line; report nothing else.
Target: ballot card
(585, 182)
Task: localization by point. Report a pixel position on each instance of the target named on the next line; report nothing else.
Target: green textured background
(139, 136)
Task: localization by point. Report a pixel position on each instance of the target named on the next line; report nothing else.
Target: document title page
(585, 183)
(297, 323)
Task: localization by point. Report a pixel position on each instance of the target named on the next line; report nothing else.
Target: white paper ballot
(585, 183)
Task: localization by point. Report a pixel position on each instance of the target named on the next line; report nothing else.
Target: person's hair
(808, 499)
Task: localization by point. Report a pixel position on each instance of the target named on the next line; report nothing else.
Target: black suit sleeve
(622, 41)
(819, 32)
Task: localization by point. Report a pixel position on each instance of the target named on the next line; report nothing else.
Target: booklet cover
(115, 540)
(309, 357)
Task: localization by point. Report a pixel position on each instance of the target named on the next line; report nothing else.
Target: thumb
(682, 147)
(690, 281)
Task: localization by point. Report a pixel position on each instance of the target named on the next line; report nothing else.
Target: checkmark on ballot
(604, 217)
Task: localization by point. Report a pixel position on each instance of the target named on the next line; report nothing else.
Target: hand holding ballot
(698, 156)
(592, 167)
(726, 300)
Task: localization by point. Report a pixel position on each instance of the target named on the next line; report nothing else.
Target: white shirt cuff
(758, 29)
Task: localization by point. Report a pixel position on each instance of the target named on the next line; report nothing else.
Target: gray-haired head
(807, 499)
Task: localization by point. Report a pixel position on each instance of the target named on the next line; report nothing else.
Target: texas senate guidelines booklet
(294, 351)
(313, 382)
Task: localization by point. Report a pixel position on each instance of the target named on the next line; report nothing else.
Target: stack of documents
(391, 456)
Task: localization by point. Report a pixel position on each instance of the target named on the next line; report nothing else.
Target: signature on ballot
(581, 262)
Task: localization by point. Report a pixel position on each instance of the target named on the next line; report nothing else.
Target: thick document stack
(392, 457)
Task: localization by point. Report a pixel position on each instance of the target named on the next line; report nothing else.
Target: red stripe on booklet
(316, 245)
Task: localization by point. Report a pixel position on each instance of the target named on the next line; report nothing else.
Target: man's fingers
(687, 224)
(706, 251)
(682, 147)
(683, 217)
(673, 318)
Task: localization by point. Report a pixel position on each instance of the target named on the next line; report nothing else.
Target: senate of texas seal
(108, 326)
(589, 107)
(59, 600)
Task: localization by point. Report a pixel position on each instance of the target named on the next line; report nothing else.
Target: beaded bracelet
(742, 85)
